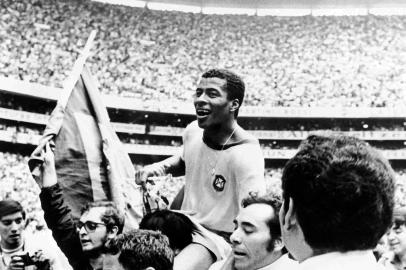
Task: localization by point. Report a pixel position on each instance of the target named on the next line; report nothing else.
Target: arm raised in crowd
(58, 215)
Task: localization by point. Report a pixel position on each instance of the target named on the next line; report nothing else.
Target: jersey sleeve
(249, 172)
(189, 130)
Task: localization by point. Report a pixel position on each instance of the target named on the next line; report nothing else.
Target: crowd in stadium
(330, 203)
(156, 55)
(17, 183)
(18, 186)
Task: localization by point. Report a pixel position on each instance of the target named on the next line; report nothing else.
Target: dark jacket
(59, 219)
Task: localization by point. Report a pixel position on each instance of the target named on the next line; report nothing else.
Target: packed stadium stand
(287, 61)
(303, 74)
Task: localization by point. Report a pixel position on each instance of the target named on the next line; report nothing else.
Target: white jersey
(218, 179)
(351, 260)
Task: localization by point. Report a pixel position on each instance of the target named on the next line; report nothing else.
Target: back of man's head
(342, 191)
(176, 226)
(111, 217)
(8, 207)
(142, 249)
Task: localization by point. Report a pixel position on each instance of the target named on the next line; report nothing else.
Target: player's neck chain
(213, 166)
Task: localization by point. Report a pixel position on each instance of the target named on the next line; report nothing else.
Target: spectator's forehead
(93, 214)
(256, 214)
(13, 216)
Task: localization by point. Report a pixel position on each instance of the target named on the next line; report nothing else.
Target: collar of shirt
(283, 262)
(352, 260)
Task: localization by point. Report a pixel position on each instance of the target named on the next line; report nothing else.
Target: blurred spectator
(395, 259)
(18, 252)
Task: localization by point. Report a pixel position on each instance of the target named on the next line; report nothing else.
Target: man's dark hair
(342, 190)
(112, 216)
(274, 201)
(8, 207)
(235, 86)
(140, 249)
(176, 226)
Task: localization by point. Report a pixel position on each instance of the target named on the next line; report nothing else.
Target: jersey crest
(219, 182)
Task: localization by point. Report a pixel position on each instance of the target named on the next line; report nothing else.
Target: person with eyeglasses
(16, 251)
(395, 259)
(82, 242)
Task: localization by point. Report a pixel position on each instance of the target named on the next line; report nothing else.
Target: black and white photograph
(202, 135)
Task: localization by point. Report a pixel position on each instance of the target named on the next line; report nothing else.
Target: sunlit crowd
(156, 55)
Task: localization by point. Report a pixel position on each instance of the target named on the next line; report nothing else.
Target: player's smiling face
(211, 102)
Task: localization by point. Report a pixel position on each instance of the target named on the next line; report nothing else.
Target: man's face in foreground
(92, 230)
(251, 237)
(11, 228)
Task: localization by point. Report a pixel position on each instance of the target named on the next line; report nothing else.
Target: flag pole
(77, 69)
(69, 84)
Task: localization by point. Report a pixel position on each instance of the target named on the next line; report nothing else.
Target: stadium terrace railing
(42, 119)
(51, 93)
(13, 136)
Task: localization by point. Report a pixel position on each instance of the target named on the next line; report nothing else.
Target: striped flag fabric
(90, 160)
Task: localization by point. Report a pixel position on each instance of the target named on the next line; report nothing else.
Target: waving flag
(91, 163)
